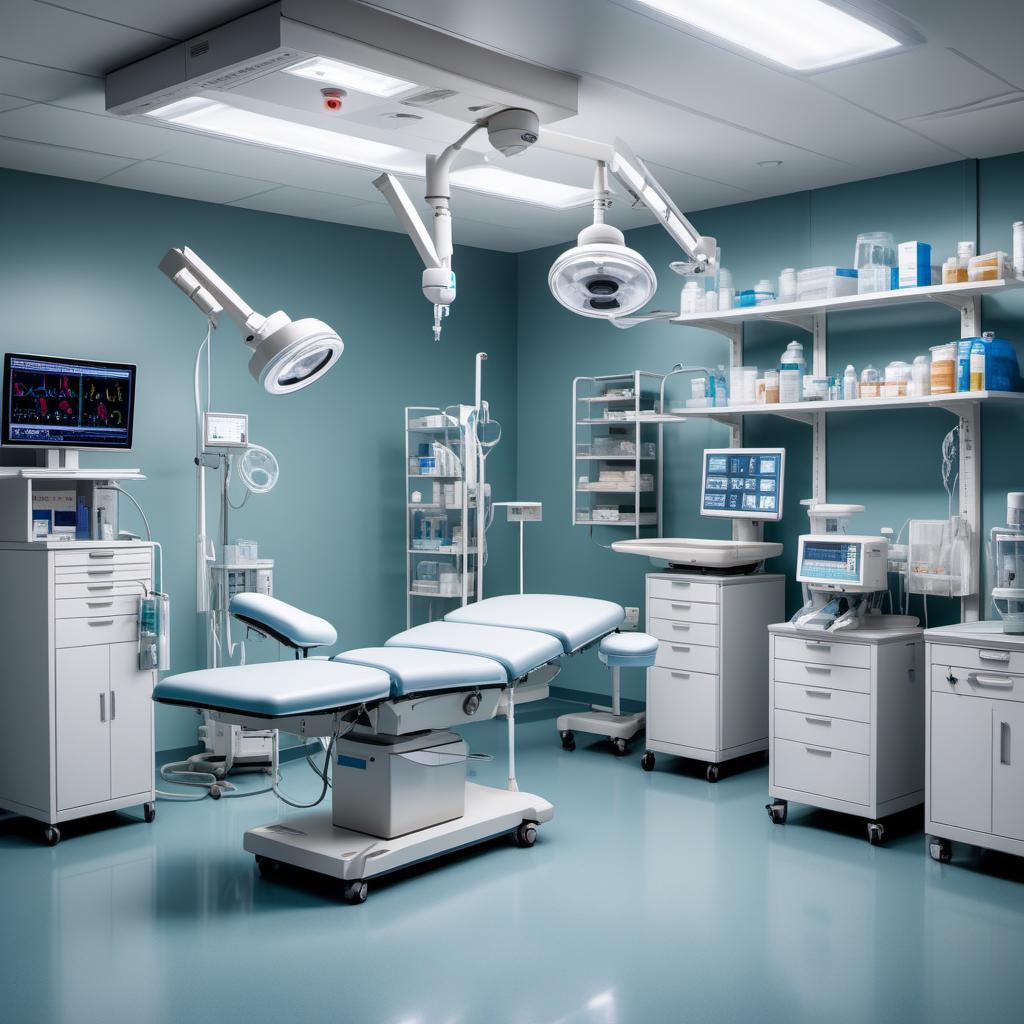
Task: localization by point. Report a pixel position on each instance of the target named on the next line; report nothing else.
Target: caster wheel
(149, 811)
(778, 811)
(940, 850)
(568, 740)
(619, 746)
(215, 791)
(355, 892)
(267, 866)
(526, 834)
(647, 761)
(52, 835)
(876, 832)
(711, 773)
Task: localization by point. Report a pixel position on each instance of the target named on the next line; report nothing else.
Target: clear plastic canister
(869, 382)
(943, 375)
(921, 376)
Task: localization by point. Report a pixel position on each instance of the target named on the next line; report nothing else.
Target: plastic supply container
(993, 266)
(849, 383)
(787, 285)
(771, 387)
(951, 271)
(764, 293)
(816, 388)
(792, 367)
(915, 264)
(815, 283)
(726, 291)
(874, 258)
(920, 377)
(943, 370)
(691, 299)
(870, 384)
(987, 363)
(897, 377)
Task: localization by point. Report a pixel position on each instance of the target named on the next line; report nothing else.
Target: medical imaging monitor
(743, 483)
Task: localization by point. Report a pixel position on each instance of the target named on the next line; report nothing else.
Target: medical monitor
(57, 402)
(743, 483)
(842, 562)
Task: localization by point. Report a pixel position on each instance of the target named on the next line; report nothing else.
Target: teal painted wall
(79, 277)
(886, 461)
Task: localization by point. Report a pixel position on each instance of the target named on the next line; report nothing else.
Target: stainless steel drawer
(823, 652)
(683, 610)
(837, 677)
(820, 730)
(101, 556)
(980, 658)
(685, 590)
(817, 700)
(705, 633)
(822, 771)
(687, 657)
(99, 629)
(977, 682)
(102, 587)
(97, 606)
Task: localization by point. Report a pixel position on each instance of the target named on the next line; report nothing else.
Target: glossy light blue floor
(648, 898)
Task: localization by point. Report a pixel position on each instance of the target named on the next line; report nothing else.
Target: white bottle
(787, 285)
(726, 291)
(849, 383)
(791, 373)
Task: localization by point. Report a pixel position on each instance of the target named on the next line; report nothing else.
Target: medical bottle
(978, 365)
(849, 383)
(791, 373)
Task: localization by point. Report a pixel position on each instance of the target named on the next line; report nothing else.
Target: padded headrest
(284, 622)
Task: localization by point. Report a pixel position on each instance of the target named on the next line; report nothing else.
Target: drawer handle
(103, 707)
(100, 622)
(99, 586)
(1003, 682)
(680, 675)
(684, 605)
(819, 693)
(818, 721)
(99, 604)
(680, 583)
(101, 554)
(817, 645)
(819, 751)
(99, 572)
(818, 668)
(679, 647)
(1004, 743)
(113, 705)
(1003, 656)
(681, 625)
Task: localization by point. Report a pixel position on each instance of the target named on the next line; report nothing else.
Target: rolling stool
(617, 651)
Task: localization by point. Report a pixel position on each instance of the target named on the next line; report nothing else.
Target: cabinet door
(961, 761)
(82, 726)
(682, 708)
(1008, 769)
(131, 723)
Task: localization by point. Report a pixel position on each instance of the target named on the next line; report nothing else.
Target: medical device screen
(743, 483)
(829, 561)
(51, 402)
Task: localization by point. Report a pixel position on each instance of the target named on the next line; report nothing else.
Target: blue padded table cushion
(628, 650)
(284, 621)
(519, 650)
(276, 689)
(574, 621)
(420, 671)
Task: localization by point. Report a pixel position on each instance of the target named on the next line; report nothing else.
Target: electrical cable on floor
(323, 777)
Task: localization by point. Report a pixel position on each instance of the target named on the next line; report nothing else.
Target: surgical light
(349, 76)
(805, 35)
(287, 354)
(522, 187)
(223, 119)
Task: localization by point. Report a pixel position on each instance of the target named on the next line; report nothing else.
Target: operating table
(399, 791)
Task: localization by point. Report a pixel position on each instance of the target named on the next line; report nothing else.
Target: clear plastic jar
(870, 383)
(943, 369)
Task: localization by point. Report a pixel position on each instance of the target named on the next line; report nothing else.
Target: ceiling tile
(987, 130)
(12, 102)
(65, 163)
(100, 133)
(186, 182)
(35, 82)
(301, 202)
(178, 20)
(58, 38)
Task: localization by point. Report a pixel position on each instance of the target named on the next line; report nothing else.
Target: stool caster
(568, 740)
(647, 761)
(778, 811)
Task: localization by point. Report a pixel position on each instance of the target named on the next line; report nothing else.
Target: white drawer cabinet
(76, 713)
(707, 693)
(975, 754)
(847, 722)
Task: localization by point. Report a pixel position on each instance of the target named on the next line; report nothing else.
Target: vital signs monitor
(743, 483)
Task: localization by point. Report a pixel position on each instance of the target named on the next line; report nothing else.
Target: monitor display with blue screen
(743, 483)
(57, 402)
(829, 561)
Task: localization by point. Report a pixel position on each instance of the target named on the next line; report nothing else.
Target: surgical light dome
(294, 354)
(601, 276)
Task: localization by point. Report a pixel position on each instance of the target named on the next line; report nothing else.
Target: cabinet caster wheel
(267, 866)
(568, 740)
(778, 812)
(52, 835)
(355, 892)
(619, 747)
(526, 834)
(940, 850)
(876, 832)
(711, 773)
(215, 791)
(647, 761)
(149, 812)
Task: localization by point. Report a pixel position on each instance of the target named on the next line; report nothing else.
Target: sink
(696, 551)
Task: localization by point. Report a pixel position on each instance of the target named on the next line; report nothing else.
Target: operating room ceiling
(716, 126)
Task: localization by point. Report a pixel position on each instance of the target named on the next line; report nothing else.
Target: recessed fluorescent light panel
(348, 76)
(235, 123)
(539, 191)
(806, 35)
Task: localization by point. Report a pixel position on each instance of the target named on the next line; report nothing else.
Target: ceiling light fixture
(522, 187)
(349, 76)
(805, 35)
(223, 119)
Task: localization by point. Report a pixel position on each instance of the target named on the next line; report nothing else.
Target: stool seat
(628, 650)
